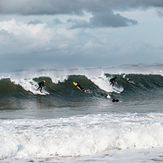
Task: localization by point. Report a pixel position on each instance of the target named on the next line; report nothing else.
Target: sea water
(68, 125)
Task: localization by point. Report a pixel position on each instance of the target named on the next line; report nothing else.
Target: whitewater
(68, 125)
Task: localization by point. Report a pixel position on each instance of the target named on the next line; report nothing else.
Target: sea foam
(79, 136)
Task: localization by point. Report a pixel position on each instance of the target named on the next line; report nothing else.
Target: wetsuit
(112, 81)
(41, 84)
(115, 100)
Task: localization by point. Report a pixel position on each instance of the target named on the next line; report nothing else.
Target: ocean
(68, 125)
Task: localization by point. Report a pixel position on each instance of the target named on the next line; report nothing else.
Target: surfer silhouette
(112, 81)
(115, 100)
(41, 85)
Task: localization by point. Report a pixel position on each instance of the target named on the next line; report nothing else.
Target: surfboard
(75, 84)
(44, 93)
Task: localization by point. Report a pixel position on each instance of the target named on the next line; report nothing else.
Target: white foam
(103, 83)
(79, 136)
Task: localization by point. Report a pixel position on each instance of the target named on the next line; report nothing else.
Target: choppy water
(68, 125)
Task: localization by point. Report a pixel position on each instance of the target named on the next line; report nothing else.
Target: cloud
(102, 10)
(21, 37)
(35, 22)
(78, 23)
(103, 20)
(36, 37)
(40, 7)
(57, 21)
(160, 13)
(108, 19)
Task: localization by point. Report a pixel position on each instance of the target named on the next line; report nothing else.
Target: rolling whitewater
(69, 125)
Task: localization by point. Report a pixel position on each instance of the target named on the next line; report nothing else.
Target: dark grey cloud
(39, 7)
(101, 10)
(103, 19)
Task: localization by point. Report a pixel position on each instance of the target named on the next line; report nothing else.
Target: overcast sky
(80, 33)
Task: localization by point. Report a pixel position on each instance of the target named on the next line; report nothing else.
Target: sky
(80, 33)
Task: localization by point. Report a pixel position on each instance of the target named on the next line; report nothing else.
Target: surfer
(41, 85)
(80, 87)
(115, 100)
(112, 81)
